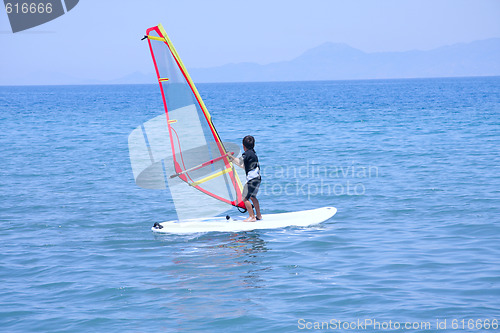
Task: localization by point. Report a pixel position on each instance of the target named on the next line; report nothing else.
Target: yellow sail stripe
(198, 97)
(162, 79)
(156, 38)
(176, 55)
(206, 179)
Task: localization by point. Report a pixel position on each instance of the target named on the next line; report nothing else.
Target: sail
(182, 149)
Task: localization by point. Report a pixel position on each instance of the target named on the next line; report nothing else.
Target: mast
(199, 157)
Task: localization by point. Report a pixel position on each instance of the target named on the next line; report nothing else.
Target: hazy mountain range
(334, 61)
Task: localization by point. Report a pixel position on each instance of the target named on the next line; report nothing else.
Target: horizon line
(257, 82)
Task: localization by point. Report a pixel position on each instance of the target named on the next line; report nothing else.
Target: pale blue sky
(101, 39)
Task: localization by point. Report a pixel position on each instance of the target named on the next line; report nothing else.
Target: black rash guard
(251, 163)
(252, 170)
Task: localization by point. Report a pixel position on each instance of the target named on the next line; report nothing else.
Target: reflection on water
(212, 274)
(247, 247)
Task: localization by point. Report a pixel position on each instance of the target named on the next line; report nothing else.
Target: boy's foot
(259, 218)
(250, 219)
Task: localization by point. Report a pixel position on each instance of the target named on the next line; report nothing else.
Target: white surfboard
(269, 221)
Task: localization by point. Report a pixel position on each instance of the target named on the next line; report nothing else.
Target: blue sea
(413, 167)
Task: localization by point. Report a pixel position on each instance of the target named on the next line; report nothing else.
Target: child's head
(248, 142)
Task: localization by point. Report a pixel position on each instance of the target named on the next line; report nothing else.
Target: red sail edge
(182, 170)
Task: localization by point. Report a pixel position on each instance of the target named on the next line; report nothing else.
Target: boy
(250, 163)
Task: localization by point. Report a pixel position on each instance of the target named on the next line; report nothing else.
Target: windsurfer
(250, 162)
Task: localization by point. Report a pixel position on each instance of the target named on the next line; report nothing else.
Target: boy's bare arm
(236, 161)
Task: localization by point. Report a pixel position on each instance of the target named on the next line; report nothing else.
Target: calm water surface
(411, 165)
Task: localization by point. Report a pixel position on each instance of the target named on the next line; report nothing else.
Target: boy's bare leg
(257, 208)
(249, 208)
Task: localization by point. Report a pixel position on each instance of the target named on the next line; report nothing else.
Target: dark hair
(249, 142)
